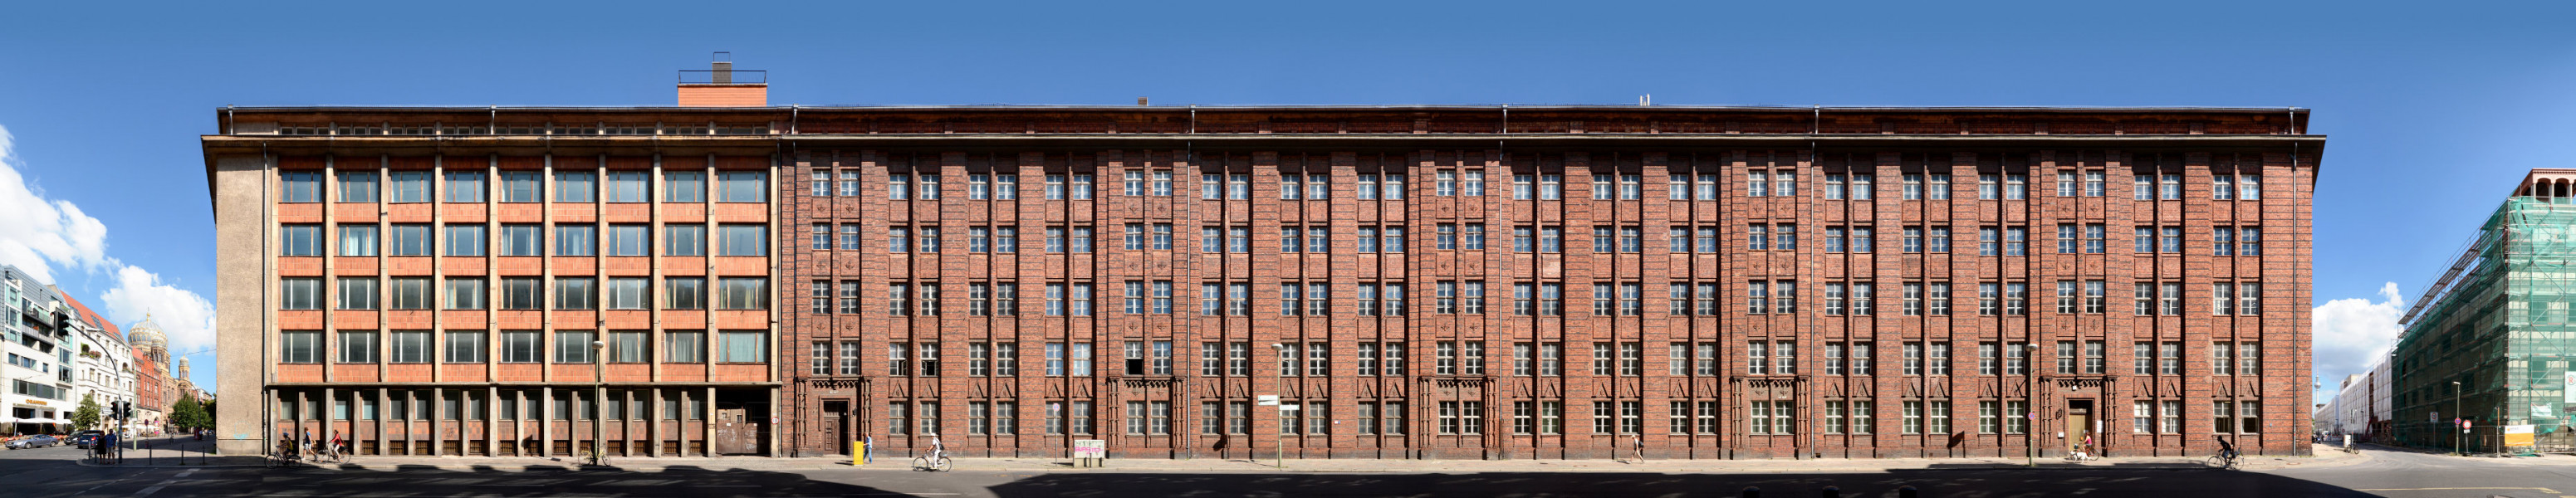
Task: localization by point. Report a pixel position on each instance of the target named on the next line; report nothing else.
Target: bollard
(1905, 492)
(1752, 492)
(1832, 492)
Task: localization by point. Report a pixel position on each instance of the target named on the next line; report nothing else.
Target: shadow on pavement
(171, 451)
(358, 479)
(2103, 481)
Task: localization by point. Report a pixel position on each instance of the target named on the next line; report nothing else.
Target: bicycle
(339, 453)
(936, 462)
(2225, 459)
(283, 456)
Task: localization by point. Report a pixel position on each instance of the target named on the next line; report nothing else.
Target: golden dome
(147, 335)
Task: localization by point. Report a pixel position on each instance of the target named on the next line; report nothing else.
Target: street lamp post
(1281, 458)
(599, 398)
(2456, 393)
(2030, 419)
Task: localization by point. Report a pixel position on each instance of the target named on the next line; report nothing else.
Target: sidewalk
(2325, 456)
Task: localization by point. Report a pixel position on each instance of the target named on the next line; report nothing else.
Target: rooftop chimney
(722, 86)
(724, 68)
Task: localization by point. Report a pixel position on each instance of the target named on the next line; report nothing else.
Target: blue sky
(2434, 109)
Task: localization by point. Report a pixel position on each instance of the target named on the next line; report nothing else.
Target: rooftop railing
(724, 77)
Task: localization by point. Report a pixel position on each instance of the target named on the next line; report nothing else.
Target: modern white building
(39, 326)
(2360, 406)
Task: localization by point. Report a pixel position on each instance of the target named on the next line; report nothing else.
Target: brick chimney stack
(722, 86)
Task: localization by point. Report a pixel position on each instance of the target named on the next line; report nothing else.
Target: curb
(719, 466)
(86, 463)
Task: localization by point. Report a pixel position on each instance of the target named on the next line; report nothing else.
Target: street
(51, 472)
(2398, 474)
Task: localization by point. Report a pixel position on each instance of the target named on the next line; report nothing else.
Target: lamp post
(2456, 393)
(2030, 428)
(1281, 458)
(599, 397)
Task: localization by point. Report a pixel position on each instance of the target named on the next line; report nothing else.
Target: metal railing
(723, 77)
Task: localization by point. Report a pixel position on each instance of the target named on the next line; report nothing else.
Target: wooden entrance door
(2079, 424)
(835, 419)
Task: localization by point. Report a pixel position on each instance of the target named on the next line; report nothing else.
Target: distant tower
(183, 369)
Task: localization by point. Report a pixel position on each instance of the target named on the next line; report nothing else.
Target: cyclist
(286, 445)
(937, 449)
(2227, 454)
(337, 449)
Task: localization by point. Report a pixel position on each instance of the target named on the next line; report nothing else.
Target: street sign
(1267, 400)
(1288, 407)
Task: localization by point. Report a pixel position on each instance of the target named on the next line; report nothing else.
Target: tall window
(742, 186)
(357, 186)
(575, 186)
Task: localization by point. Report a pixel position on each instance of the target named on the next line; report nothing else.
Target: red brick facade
(834, 169)
(861, 401)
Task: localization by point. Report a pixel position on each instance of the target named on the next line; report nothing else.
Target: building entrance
(2079, 425)
(836, 416)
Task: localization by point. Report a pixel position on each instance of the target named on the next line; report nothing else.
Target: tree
(188, 414)
(87, 417)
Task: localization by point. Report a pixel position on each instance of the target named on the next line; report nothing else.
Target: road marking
(2543, 490)
(148, 491)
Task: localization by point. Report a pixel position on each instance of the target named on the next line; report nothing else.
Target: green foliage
(188, 414)
(88, 415)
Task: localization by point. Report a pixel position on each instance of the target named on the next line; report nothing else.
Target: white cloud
(38, 233)
(2353, 334)
(185, 317)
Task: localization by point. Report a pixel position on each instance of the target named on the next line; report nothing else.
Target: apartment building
(1406, 281)
(153, 393)
(40, 328)
(2489, 343)
(102, 363)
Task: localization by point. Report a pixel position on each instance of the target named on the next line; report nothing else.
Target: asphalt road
(50, 473)
(2397, 474)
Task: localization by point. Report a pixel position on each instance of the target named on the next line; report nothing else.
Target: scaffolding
(2499, 327)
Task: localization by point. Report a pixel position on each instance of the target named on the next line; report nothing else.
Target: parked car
(84, 441)
(35, 442)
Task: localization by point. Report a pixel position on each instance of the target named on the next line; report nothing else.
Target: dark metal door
(736, 434)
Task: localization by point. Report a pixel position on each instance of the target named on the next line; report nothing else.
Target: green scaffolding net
(2501, 331)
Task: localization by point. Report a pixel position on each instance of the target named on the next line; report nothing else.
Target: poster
(2517, 435)
(2570, 387)
(2541, 410)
